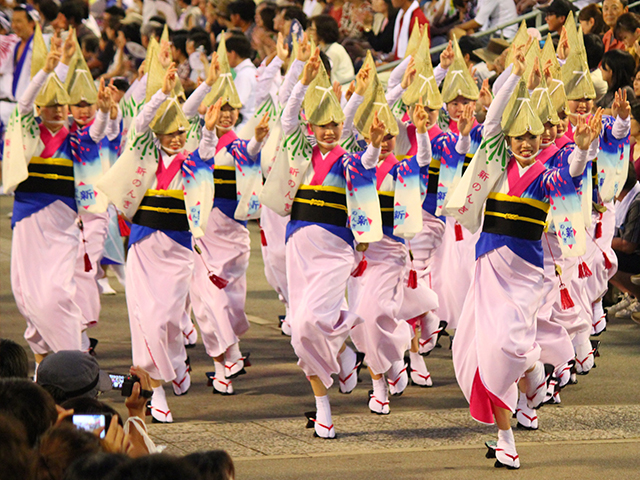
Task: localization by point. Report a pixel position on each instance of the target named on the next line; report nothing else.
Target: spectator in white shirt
(239, 54)
(324, 30)
(490, 14)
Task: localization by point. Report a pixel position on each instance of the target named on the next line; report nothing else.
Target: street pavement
(593, 433)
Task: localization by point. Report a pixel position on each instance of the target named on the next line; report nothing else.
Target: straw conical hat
(519, 116)
(459, 81)
(39, 55)
(80, 84)
(321, 105)
(556, 87)
(53, 91)
(414, 40)
(575, 71)
(224, 87)
(424, 86)
(543, 105)
(521, 38)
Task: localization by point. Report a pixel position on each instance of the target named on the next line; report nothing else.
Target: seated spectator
(263, 40)
(239, 53)
(556, 14)
(408, 12)
(30, 404)
(13, 360)
(324, 30)
(490, 13)
(72, 14)
(150, 30)
(446, 15)
(95, 466)
(59, 447)
(611, 11)
(242, 14)
(191, 16)
(591, 20)
(351, 23)
(634, 137)
(16, 456)
(595, 51)
(283, 19)
(90, 51)
(157, 467)
(181, 59)
(69, 373)
(617, 70)
(491, 55)
(626, 241)
(213, 465)
(379, 26)
(468, 45)
(198, 45)
(48, 13)
(113, 12)
(628, 32)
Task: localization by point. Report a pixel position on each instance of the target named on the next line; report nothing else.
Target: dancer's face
(525, 148)
(387, 146)
(228, 117)
(456, 106)
(54, 117)
(549, 135)
(582, 106)
(562, 126)
(83, 113)
(328, 136)
(174, 142)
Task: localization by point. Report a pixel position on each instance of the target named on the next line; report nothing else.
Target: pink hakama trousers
(226, 247)
(376, 297)
(452, 272)
(319, 265)
(597, 284)
(43, 254)
(158, 272)
(554, 323)
(87, 294)
(496, 335)
(274, 253)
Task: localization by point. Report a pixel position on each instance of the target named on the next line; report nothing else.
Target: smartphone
(117, 380)
(91, 423)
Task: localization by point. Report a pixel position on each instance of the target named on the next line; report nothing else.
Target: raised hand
(620, 107)
(547, 71)
(304, 49)
(351, 90)
(164, 54)
(485, 97)
(337, 89)
(214, 70)
(282, 49)
(311, 68)
(595, 124)
(113, 104)
(446, 57)
(115, 440)
(262, 129)
(465, 122)
(535, 77)
(518, 60)
(363, 80)
(420, 117)
(212, 115)
(141, 69)
(170, 79)
(563, 45)
(409, 74)
(69, 48)
(582, 134)
(53, 57)
(376, 131)
(104, 98)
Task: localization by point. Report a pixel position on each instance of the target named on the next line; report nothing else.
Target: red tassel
(607, 262)
(218, 281)
(598, 229)
(263, 238)
(362, 266)
(459, 235)
(413, 279)
(567, 301)
(583, 270)
(123, 226)
(87, 262)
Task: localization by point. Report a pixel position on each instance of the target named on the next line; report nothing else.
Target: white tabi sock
(506, 437)
(379, 401)
(324, 423)
(220, 382)
(347, 376)
(219, 367)
(233, 353)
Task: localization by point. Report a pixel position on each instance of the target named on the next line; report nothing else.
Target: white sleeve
(424, 149)
(140, 92)
(349, 114)
(492, 124)
(290, 80)
(98, 128)
(370, 157)
(578, 162)
(149, 111)
(113, 126)
(62, 71)
(208, 144)
(289, 119)
(439, 73)
(266, 75)
(397, 73)
(25, 104)
(190, 107)
(245, 83)
(253, 148)
(463, 145)
(621, 127)
(393, 94)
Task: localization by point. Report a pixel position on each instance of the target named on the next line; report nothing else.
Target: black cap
(560, 8)
(75, 373)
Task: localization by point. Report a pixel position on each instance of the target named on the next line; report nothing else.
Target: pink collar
(164, 175)
(384, 168)
(321, 167)
(52, 142)
(434, 132)
(225, 140)
(547, 153)
(411, 135)
(518, 184)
